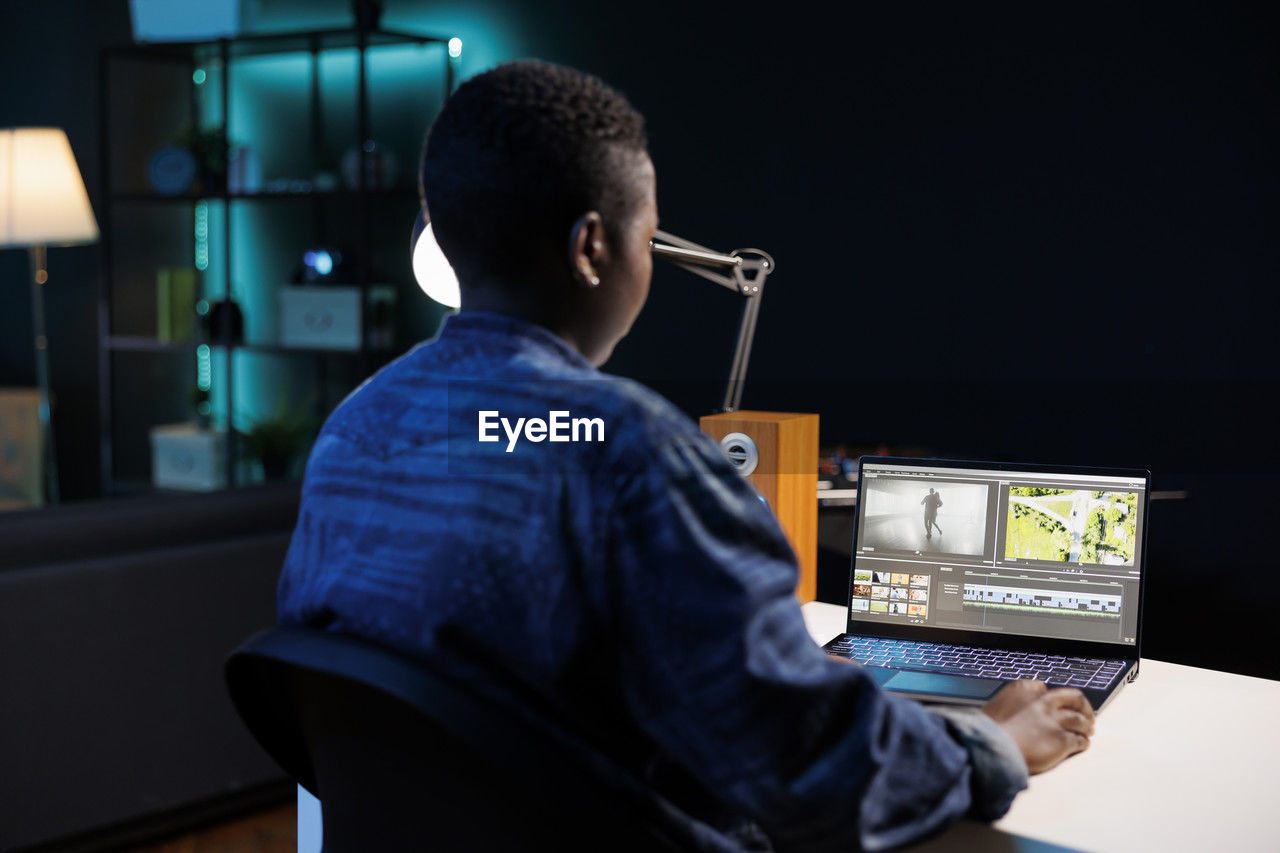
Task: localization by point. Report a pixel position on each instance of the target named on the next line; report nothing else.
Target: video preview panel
(1071, 526)
(912, 515)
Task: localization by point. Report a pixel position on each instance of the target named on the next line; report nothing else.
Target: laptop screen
(1034, 553)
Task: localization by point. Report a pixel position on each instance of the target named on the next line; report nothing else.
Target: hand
(1047, 725)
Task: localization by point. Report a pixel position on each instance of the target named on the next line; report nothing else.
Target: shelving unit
(150, 91)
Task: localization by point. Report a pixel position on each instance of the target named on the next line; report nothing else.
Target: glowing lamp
(42, 203)
(434, 274)
(743, 271)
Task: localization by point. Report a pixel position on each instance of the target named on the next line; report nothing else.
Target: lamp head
(42, 197)
(430, 267)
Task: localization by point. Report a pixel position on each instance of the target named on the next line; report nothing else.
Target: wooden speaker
(778, 454)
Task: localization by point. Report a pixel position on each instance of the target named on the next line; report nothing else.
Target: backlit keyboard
(1055, 670)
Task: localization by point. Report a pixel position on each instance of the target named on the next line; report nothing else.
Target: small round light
(430, 267)
(455, 47)
(199, 76)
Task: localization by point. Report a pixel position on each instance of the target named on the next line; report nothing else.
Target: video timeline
(1041, 601)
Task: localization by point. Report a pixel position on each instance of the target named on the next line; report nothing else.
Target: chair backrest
(402, 758)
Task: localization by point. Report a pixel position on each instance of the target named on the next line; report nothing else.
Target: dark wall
(1050, 234)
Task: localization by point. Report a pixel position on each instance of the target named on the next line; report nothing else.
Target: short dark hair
(515, 156)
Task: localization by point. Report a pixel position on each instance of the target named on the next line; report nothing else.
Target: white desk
(1182, 759)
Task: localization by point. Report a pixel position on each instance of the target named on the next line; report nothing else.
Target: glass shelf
(396, 194)
(141, 343)
(262, 44)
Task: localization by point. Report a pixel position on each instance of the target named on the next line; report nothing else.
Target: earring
(595, 281)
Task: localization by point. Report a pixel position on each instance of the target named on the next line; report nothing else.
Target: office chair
(404, 759)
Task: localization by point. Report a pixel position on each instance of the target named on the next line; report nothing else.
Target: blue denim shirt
(634, 583)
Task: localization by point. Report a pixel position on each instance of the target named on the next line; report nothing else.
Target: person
(631, 581)
(931, 502)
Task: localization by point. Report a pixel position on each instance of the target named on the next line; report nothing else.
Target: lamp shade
(430, 267)
(42, 197)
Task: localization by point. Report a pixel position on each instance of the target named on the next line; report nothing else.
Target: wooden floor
(273, 831)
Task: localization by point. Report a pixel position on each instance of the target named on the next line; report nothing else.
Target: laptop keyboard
(1056, 670)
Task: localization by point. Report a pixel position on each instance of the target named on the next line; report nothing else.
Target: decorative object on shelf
(42, 202)
(209, 149)
(288, 185)
(244, 174)
(183, 20)
(326, 177)
(223, 323)
(320, 265)
(380, 333)
(188, 457)
(175, 303)
(21, 477)
(380, 166)
(320, 317)
(276, 443)
(171, 170)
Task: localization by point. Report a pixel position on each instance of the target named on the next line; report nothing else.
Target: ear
(587, 249)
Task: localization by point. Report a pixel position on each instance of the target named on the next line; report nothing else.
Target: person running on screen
(637, 584)
(931, 502)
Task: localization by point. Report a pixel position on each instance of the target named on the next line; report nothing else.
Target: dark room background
(1041, 233)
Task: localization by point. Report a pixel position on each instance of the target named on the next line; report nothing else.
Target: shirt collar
(491, 323)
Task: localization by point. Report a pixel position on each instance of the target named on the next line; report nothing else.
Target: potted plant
(276, 442)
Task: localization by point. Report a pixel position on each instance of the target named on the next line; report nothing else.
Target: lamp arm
(691, 257)
(696, 259)
(742, 352)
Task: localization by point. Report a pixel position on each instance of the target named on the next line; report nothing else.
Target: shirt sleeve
(718, 669)
(999, 770)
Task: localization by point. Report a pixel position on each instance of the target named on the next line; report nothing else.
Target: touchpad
(936, 684)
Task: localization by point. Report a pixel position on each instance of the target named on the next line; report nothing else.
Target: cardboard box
(320, 317)
(184, 456)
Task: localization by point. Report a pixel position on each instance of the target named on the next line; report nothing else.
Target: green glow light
(204, 369)
(198, 76)
(455, 47)
(202, 235)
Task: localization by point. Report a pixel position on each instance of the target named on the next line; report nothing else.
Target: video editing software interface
(1033, 553)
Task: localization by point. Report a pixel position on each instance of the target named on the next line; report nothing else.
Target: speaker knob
(742, 452)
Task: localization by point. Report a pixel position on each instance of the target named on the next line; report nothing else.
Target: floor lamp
(42, 203)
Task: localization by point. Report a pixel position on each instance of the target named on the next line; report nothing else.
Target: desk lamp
(742, 271)
(42, 203)
(777, 452)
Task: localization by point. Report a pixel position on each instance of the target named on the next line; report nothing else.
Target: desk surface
(1182, 759)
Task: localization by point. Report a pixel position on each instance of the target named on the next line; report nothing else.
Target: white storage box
(184, 456)
(320, 317)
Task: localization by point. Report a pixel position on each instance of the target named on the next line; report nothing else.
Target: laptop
(969, 575)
